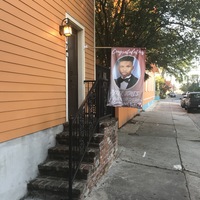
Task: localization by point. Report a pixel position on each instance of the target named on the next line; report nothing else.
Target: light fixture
(65, 29)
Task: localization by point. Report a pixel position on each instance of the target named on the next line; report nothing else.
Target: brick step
(63, 138)
(66, 126)
(61, 152)
(51, 188)
(59, 168)
(50, 184)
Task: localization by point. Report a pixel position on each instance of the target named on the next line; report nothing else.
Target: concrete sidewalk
(158, 158)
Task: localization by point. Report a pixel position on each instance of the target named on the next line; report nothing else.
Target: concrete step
(61, 152)
(59, 168)
(51, 188)
(63, 138)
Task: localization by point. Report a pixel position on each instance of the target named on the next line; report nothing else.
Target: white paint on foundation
(19, 159)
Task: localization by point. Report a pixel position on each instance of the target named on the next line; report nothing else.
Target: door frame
(81, 62)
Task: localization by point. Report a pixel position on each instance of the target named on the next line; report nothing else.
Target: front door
(72, 73)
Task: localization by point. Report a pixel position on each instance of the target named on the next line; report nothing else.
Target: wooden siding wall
(32, 62)
(124, 114)
(149, 89)
(148, 97)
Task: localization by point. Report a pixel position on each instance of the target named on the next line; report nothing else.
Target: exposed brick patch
(108, 150)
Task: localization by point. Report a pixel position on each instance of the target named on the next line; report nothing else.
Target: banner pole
(86, 47)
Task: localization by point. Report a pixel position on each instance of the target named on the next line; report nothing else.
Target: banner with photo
(127, 77)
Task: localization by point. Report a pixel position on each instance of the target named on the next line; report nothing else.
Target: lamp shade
(67, 30)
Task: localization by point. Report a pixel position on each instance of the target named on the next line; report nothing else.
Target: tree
(190, 87)
(168, 29)
(162, 87)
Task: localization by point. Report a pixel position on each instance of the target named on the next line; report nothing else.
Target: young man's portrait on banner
(127, 77)
(125, 68)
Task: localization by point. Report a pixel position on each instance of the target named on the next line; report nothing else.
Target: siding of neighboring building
(124, 114)
(32, 63)
(149, 91)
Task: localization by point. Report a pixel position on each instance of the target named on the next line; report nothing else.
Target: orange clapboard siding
(23, 78)
(124, 114)
(23, 51)
(48, 9)
(45, 40)
(8, 135)
(22, 114)
(47, 34)
(87, 13)
(90, 75)
(29, 105)
(22, 60)
(25, 122)
(48, 6)
(89, 72)
(31, 70)
(89, 57)
(24, 87)
(27, 96)
(32, 63)
(40, 10)
(27, 16)
(35, 46)
(148, 96)
(89, 37)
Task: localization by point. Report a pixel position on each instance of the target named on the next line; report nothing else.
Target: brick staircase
(52, 181)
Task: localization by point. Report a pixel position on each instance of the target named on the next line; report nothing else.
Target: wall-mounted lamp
(65, 29)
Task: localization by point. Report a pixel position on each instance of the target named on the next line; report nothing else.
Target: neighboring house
(149, 88)
(39, 86)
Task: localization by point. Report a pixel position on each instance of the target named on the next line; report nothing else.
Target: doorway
(73, 73)
(75, 67)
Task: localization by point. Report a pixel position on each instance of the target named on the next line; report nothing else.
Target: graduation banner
(126, 77)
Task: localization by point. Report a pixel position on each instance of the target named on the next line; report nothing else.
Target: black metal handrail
(84, 124)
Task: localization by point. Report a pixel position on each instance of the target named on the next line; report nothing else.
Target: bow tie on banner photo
(126, 80)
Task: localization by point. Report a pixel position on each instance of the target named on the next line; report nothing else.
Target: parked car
(172, 94)
(183, 101)
(192, 101)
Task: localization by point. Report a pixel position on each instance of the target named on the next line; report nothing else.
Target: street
(158, 157)
(194, 116)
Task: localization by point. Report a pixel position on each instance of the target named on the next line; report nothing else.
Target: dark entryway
(72, 73)
(104, 73)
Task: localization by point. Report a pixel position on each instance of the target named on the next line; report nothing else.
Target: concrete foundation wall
(19, 159)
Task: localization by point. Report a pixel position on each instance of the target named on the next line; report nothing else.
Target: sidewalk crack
(152, 166)
(183, 168)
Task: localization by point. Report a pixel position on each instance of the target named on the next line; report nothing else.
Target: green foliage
(161, 87)
(168, 29)
(190, 87)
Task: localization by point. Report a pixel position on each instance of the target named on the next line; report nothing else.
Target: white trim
(81, 63)
(94, 42)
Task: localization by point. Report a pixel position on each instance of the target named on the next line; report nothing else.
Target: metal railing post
(70, 158)
(83, 125)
